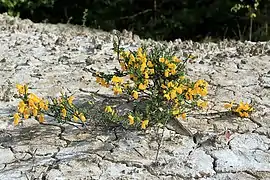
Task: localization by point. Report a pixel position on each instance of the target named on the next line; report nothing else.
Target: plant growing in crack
(151, 81)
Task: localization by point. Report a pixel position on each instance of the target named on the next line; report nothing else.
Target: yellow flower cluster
(155, 76)
(144, 123)
(243, 109)
(32, 105)
(68, 108)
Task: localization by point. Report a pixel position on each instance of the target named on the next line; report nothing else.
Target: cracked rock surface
(52, 57)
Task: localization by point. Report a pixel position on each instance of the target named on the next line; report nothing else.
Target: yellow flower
(150, 64)
(117, 90)
(170, 84)
(31, 104)
(22, 89)
(176, 112)
(173, 71)
(35, 112)
(151, 71)
(64, 112)
(162, 60)
(167, 96)
(16, 118)
(189, 94)
(109, 109)
(203, 92)
(41, 118)
(21, 107)
(135, 94)
(163, 86)
(173, 94)
(146, 76)
(184, 116)
(82, 117)
(102, 82)
(166, 73)
(75, 118)
(244, 106)
(243, 114)
(131, 119)
(70, 100)
(143, 66)
(34, 97)
(175, 59)
(229, 106)
(171, 66)
(44, 105)
(179, 90)
(26, 113)
(202, 104)
(131, 58)
(117, 80)
(142, 86)
(144, 124)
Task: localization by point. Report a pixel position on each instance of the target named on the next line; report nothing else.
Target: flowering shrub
(154, 81)
(60, 108)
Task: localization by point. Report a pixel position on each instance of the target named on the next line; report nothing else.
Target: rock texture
(51, 58)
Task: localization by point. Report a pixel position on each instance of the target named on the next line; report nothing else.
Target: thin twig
(137, 14)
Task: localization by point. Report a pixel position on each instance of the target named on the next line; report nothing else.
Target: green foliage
(157, 19)
(15, 6)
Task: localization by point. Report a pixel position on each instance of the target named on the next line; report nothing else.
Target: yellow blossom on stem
(142, 86)
(167, 96)
(175, 59)
(162, 60)
(150, 64)
(75, 118)
(184, 116)
(16, 119)
(35, 112)
(116, 80)
(135, 94)
(26, 113)
(173, 94)
(163, 86)
(109, 109)
(44, 105)
(151, 71)
(166, 73)
(144, 124)
(143, 66)
(146, 76)
(41, 118)
(70, 100)
(21, 107)
(82, 117)
(229, 105)
(31, 104)
(64, 112)
(175, 111)
(22, 89)
(179, 90)
(131, 119)
(117, 90)
(34, 97)
(202, 104)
